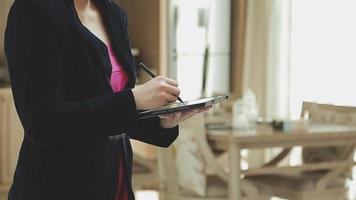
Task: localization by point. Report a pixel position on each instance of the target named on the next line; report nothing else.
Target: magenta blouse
(118, 81)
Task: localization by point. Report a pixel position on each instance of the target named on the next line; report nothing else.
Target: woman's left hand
(172, 120)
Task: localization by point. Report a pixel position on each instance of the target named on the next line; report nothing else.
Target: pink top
(118, 81)
(119, 77)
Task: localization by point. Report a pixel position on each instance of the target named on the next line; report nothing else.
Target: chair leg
(323, 183)
(330, 194)
(248, 189)
(252, 190)
(161, 195)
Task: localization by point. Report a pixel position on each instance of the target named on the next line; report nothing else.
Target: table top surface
(317, 134)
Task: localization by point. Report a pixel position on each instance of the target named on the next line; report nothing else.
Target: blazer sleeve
(34, 58)
(150, 130)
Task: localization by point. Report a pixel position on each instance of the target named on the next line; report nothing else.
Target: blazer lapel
(116, 28)
(81, 31)
(115, 25)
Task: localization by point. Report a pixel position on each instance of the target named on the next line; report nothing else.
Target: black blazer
(76, 128)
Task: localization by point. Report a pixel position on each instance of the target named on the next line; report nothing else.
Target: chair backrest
(327, 113)
(330, 113)
(167, 162)
(167, 170)
(167, 157)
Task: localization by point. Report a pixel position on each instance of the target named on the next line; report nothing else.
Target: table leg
(235, 172)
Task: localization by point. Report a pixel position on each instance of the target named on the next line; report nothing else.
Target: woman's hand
(172, 120)
(155, 93)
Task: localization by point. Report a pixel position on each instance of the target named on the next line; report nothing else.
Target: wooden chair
(334, 179)
(145, 166)
(216, 182)
(317, 184)
(324, 113)
(3, 192)
(144, 173)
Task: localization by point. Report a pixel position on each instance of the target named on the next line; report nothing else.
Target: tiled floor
(153, 195)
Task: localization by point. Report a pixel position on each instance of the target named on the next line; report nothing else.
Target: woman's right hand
(155, 93)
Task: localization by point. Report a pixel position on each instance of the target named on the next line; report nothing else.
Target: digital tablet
(178, 106)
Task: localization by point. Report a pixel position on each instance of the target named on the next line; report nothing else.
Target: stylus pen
(148, 71)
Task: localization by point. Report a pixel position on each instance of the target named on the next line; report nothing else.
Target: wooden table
(318, 135)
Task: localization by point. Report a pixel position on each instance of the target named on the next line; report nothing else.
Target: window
(323, 52)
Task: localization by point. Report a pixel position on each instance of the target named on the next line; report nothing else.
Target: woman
(72, 75)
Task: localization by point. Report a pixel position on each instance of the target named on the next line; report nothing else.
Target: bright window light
(147, 195)
(323, 52)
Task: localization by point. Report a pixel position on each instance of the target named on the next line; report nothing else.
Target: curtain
(238, 37)
(266, 62)
(4, 10)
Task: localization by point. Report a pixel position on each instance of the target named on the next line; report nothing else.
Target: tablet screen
(178, 106)
(192, 102)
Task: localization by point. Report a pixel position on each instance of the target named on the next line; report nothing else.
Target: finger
(189, 114)
(175, 116)
(179, 114)
(169, 98)
(172, 116)
(195, 111)
(173, 90)
(182, 116)
(164, 86)
(167, 116)
(204, 109)
(171, 81)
